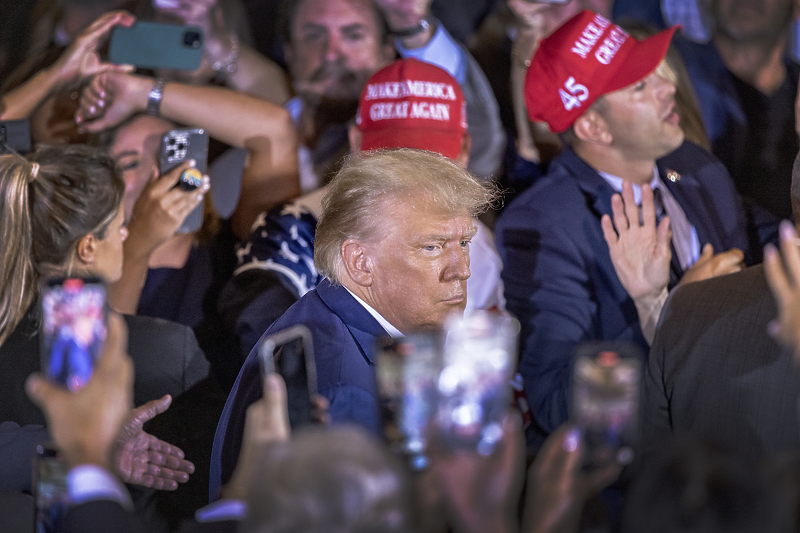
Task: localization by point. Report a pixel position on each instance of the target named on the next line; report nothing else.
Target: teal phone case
(152, 45)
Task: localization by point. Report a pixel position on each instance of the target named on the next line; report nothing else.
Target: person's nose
(332, 51)
(458, 266)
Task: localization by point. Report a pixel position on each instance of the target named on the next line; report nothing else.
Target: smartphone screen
(605, 401)
(73, 329)
(178, 146)
(50, 486)
(290, 353)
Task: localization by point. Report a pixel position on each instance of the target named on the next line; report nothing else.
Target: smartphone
(15, 136)
(51, 493)
(290, 353)
(605, 401)
(406, 371)
(178, 146)
(74, 327)
(154, 45)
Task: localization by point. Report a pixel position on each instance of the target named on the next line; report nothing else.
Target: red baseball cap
(412, 104)
(585, 58)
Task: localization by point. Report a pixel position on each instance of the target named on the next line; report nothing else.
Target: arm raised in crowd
(265, 130)
(239, 66)
(78, 63)
(640, 253)
(783, 275)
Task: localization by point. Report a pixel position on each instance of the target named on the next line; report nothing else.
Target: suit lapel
(362, 326)
(689, 194)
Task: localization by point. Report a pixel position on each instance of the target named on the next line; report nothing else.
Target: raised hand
(110, 99)
(783, 277)
(640, 253)
(81, 60)
(142, 459)
(557, 488)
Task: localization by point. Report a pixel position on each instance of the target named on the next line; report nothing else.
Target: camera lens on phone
(192, 39)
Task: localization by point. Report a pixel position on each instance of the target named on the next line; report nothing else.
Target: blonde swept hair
(353, 205)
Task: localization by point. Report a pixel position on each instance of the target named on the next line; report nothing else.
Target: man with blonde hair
(393, 243)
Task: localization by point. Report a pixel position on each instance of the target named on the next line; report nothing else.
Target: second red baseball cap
(412, 104)
(587, 57)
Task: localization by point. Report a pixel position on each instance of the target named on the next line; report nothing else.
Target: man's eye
(128, 166)
(431, 248)
(639, 86)
(313, 36)
(464, 244)
(354, 35)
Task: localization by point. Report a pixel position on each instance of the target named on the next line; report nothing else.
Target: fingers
(276, 413)
(790, 250)
(631, 209)
(42, 392)
(608, 231)
(152, 408)
(107, 21)
(706, 253)
(621, 220)
(730, 261)
(648, 206)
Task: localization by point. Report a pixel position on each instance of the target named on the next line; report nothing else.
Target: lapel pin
(673, 176)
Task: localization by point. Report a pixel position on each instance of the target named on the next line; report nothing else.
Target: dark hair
(289, 9)
(703, 487)
(50, 200)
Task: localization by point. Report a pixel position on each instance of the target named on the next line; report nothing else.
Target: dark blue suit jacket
(344, 336)
(558, 276)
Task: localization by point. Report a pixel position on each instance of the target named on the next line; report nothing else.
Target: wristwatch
(155, 96)
(418, 28)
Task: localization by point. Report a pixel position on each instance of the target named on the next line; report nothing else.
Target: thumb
(41, 391)
(708, 251)
(277, 414)
(152, 408)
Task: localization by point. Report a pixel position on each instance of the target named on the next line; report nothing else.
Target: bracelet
(418, 28)
(228, 64)
(155, 96)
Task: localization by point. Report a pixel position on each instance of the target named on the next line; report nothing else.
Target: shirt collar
(390, 329)
(616, 184)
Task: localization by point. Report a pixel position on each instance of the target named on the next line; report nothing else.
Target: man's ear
(462, 159)
(357, 262)
(354, 137)
(592, 128)
(86, 249)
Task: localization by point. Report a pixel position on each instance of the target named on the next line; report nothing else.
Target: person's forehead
(139, 134)
(416, 218)
(334, 14)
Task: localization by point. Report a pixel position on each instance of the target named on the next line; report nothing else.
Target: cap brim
(448, 144)
(642, 60)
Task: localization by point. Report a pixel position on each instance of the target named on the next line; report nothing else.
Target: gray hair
(329, 480)
(356, 198)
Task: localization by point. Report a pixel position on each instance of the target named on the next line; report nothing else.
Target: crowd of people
(376, 169)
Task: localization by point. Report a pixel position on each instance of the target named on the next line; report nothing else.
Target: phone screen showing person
(290, 353)
(605, 401)
(73, 329)
(50, 487)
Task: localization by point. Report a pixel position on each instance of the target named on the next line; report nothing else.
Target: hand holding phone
(605, 401)
(74, 330)
(153, 45)
(180, 146)
(290, 353)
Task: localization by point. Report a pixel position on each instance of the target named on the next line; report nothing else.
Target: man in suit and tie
(611, 98)
(715, 370)
(393, 244)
